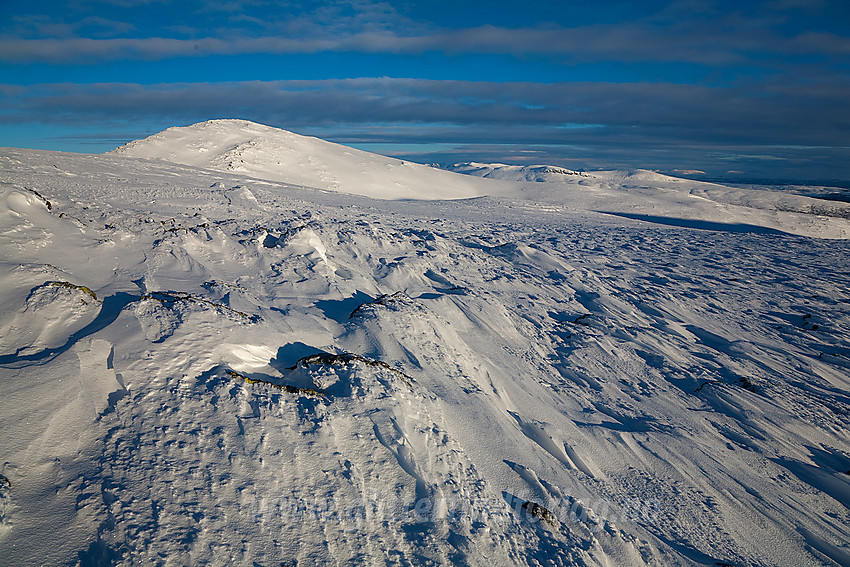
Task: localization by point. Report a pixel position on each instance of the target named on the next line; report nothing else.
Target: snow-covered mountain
(273, 154)
(204, 367)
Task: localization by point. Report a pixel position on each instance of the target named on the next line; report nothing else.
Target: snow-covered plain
(204, 364)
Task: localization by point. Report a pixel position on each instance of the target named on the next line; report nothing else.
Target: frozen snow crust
(204, 367)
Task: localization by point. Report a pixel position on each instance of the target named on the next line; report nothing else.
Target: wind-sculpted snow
(204, 368)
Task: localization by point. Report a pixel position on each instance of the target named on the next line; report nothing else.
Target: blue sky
(732, 89)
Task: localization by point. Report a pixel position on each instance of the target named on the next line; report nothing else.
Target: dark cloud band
(774, 114)
(663, 124)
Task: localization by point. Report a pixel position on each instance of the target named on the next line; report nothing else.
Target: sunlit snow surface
(662, 365)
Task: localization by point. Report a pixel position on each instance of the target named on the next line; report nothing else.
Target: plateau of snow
(228, 344)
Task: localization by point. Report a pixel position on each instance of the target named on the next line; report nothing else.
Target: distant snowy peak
(513, 172)
(552, 173)
(264, 152)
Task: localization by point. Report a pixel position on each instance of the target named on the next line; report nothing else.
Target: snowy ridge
(649, 196)
(551, 173)
(537, 173)
(206, 368)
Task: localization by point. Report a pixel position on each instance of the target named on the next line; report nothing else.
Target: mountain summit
(264, 152)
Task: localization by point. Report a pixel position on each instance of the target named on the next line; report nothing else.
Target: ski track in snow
(670, 395)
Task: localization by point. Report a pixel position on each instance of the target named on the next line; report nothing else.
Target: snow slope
(278, 155)
(207, 368)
